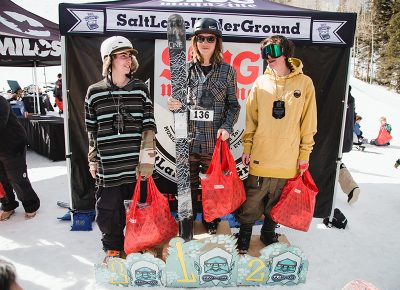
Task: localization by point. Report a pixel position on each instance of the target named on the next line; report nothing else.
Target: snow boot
(186, 228)
(243, 238)
(5, 215)
(268, 235)
(113, 254)
(212, 226)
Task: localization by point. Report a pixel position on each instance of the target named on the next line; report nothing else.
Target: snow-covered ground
(48, 255)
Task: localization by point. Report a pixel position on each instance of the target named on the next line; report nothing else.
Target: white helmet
(113, 43)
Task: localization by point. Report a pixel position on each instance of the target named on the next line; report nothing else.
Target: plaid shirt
(216, 91)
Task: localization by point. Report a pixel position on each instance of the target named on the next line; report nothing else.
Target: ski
(176, 36)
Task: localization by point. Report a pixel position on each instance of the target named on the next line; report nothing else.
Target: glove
(147, 155)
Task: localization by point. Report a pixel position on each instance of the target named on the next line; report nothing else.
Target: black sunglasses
(201, 39)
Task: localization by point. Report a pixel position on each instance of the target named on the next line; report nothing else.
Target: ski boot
(243, 238)
(186, 227)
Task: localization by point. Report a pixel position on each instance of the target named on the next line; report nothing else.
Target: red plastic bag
(2, 191)
(383, 137)
(222, 189)
(148, 226)
(295, 208)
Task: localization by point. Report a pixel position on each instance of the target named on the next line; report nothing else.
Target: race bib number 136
(201, 115)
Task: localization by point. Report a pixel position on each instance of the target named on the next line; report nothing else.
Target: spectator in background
(384, 136)
(359, 138)
(8, 276)
(13, 169)
(58, 94)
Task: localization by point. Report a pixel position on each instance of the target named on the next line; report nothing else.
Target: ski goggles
(201, 39)
(274, 50)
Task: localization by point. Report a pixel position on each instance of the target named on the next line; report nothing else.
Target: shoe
(212, 226)
(353, 195)
(112, 254)
(30, 215)
(269, 238)
(5, 215)
(243, 240)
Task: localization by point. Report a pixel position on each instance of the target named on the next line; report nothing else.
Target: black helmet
(207, 25)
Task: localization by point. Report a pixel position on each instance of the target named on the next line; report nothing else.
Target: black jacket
(12, 135)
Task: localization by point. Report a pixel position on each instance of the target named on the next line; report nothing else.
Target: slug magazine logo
(324, 31)
(91, 21)
(248, 65)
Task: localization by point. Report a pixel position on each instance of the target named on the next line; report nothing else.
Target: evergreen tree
(383, 11)
(393, 47)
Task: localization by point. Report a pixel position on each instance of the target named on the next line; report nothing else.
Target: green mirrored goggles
(274, 50)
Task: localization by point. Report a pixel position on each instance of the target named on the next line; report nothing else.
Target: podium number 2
(258, 269)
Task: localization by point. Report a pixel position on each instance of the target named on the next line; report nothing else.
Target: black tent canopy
(26, 38)
(323, 42)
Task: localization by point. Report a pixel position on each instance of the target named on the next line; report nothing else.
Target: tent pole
(66, 118)
(340, 153)
(35, 82)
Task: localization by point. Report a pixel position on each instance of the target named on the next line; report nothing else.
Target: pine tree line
(376, 49)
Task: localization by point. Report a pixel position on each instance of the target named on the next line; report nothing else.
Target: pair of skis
(176, 36)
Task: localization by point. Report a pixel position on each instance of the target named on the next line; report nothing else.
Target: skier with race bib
(213, 107)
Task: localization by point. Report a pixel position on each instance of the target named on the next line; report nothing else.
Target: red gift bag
(295, 208)
(149, 225)
(222, 189)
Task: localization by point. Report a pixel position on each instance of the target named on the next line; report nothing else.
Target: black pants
(198, 163)
(14, 175)
(110, 210)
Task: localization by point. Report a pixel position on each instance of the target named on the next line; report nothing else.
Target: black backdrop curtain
(326, 65)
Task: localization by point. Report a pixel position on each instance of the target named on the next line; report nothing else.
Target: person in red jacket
(384, 136)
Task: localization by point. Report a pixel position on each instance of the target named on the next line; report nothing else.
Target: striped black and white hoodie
(115, 119)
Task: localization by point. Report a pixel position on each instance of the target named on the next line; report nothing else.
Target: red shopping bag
(148, 226)
(295, 208)
(222, 189)
(383, 137)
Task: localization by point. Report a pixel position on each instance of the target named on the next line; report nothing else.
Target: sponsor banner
(23, 25)
(326, 31)
(88, 21)
(294, 27)
(23, 47)
(248, 64)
